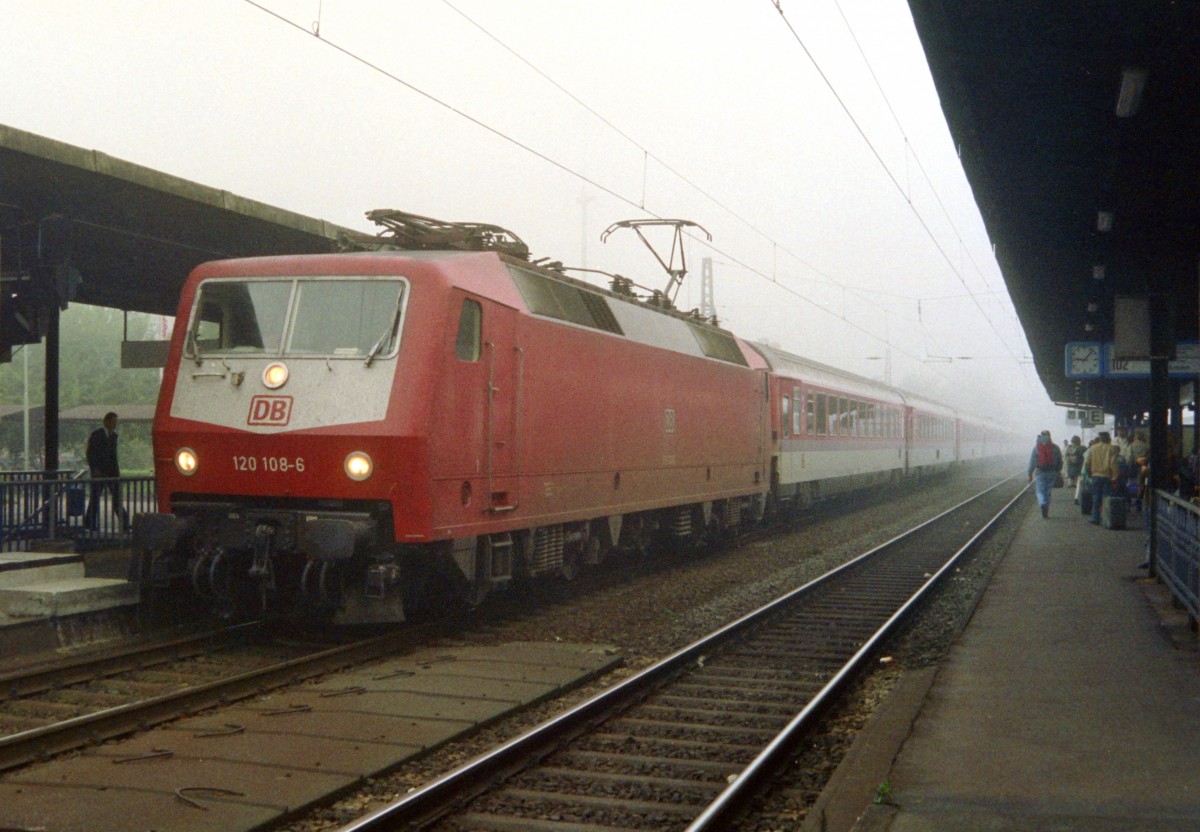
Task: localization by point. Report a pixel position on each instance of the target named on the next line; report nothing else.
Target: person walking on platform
(1101, 462)
(105, 471)
(1045, 461)
(1074, 459)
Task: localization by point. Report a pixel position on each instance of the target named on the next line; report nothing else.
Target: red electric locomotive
(360, 433)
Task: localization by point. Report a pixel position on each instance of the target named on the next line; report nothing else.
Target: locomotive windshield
(298, 317)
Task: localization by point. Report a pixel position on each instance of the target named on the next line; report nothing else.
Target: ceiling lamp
(1098, 271)
(1093, 306)
(1133, 81)
(1089, 326)
(1104, 220)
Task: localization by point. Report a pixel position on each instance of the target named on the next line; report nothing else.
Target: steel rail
(426, 804)
(102, 664)
(40, 743)
(727, 804)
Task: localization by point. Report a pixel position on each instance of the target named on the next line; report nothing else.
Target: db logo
(270, 410)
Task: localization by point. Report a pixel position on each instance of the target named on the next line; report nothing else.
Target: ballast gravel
(651, 610)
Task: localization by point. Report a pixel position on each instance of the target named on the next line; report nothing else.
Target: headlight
(275, 375)
(358, 466)
(186, 462)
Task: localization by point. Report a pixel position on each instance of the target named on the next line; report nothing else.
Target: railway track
(52, 709)
(687, 743)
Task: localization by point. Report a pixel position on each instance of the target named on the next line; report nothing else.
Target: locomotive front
(276, 411)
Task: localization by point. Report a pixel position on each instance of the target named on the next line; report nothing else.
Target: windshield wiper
(387, 333)
(194, 346)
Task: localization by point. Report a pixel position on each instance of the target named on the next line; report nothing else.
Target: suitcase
(1085, 501)
(1112, 513)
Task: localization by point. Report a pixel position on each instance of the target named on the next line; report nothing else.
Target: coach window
(844, 417)
(470, 320)
(822, 421)
(785, 419)
(810, 411)
(796, 412)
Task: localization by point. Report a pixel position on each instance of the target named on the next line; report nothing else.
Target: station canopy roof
(1077, 126)
(131, 233)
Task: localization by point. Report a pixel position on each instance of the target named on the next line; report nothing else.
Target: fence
(1177, 543)
(64, 506)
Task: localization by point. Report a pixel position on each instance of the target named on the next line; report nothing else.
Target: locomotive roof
(633, 318)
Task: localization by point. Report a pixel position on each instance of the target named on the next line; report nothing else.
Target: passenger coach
(831, 431)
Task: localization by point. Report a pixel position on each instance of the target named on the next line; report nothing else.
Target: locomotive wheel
(634, 537)
(572, 555)
(235, 596)
(431, 594)
(321, 585)
(199, 575)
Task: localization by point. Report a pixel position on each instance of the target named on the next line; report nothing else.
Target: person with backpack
(1045, 462)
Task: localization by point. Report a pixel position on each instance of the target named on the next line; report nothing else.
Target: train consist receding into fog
(360, 435)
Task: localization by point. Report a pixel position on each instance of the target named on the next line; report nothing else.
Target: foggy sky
(844, 238)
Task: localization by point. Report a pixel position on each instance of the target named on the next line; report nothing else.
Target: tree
(90, 373)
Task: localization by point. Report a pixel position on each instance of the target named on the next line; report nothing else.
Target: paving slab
(292, 748)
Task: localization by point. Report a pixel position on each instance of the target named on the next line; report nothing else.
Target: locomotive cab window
(470, 324)
(318, 317)
(344, 317)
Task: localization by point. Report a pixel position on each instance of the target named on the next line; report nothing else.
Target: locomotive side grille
(719, 345)
(556, 299)
(547, 553)
(604, 317)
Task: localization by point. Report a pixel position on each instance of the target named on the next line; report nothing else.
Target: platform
(1065, 704)
(51, 585)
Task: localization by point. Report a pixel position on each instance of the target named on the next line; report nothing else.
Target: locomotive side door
(479, 442)
(503, 363)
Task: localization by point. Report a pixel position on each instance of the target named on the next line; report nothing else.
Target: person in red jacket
(1046, 461)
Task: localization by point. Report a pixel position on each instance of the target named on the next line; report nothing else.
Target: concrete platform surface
(72, 596)
(253, 763)
(1064, 705)
(19, 568)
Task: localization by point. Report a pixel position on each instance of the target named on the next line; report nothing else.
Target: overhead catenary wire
(777, 4)
(314, 30)
(908, 145)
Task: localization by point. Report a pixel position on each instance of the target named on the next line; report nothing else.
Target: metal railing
(1177, 547)
(66, 507)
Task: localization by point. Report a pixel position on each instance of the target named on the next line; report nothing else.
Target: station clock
(1083, 359)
